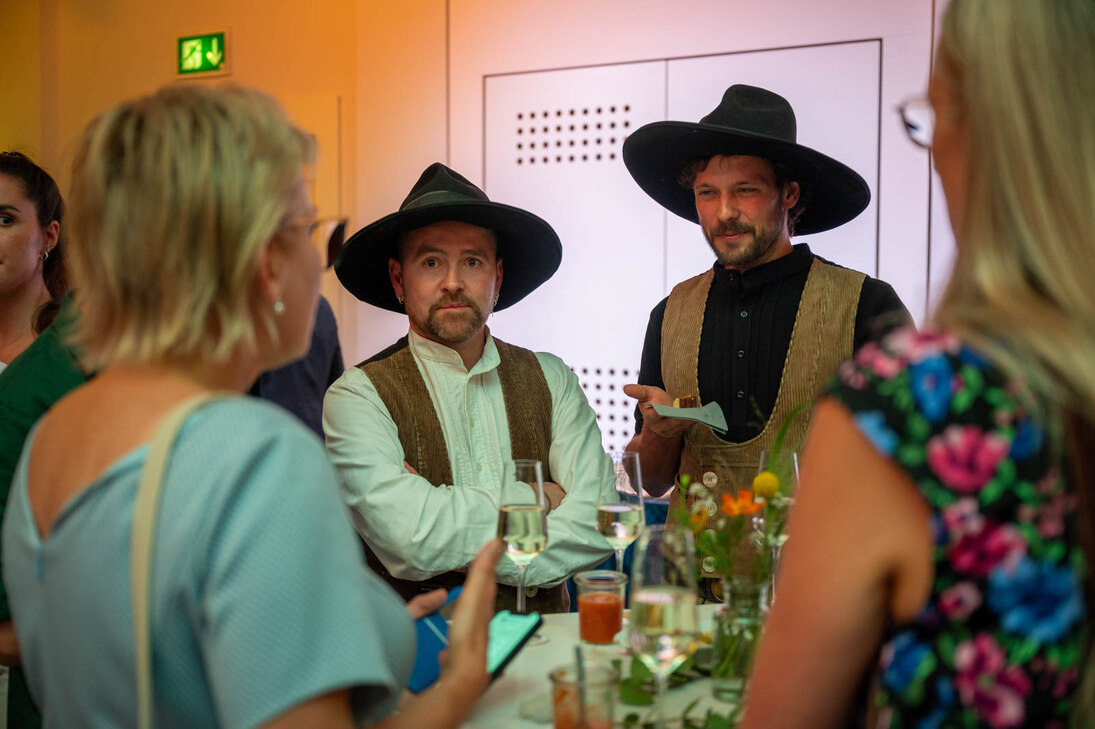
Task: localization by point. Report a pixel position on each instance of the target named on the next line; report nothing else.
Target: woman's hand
(466, 657)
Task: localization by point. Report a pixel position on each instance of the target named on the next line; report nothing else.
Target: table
(525, 681)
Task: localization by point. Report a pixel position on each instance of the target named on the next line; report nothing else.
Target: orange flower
(740, 506)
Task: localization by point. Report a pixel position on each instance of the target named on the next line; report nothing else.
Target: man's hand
(554, 493)
(648, 396)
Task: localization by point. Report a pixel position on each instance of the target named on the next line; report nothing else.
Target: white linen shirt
(419, 530)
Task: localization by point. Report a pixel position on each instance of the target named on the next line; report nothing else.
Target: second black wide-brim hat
(748, 121)
(529, 247)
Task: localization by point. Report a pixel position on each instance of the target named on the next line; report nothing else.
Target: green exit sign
(202, 54)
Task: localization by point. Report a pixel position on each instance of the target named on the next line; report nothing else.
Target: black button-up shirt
(747, 331)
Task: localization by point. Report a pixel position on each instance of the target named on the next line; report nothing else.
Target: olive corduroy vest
(822, 338)
(400, 385)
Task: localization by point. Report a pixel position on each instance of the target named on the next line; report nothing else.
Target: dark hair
(783, 175)
(41, 190)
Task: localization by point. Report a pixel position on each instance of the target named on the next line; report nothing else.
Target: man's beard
(762, 239)
(455, 329)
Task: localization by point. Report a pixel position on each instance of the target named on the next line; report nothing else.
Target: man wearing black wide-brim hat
(762, 330)
(420, 432)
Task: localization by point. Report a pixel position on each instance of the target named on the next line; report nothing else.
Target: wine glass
(663, 629)
(522, 521)
(785, 467)
(620, 514)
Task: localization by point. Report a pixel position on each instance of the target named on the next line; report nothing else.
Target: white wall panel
(594, 309)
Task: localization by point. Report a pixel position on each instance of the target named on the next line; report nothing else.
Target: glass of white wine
(663, 629)
(522, 518)
(620, 515)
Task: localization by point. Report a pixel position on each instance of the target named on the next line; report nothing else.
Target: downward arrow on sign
(215, 55)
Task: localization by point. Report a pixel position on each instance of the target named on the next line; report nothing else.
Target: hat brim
(529, 247)
(656, 153)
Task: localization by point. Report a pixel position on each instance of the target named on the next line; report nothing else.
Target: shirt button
(531, 591)
(478, 466)
(740, 394)
(743, 314)
(472, 422)
(741, 353)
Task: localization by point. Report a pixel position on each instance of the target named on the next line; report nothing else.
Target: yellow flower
(766, 484)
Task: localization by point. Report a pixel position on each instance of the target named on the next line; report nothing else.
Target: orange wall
(90, 56)
(21, 80)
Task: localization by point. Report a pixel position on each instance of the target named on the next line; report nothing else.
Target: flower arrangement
(774, 484)
(728, 532)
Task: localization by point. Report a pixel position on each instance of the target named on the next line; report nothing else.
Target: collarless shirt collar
(429, 350)
(797, 261)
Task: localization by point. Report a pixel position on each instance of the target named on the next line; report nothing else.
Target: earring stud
(279, 307)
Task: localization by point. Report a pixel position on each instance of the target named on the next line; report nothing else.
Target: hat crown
(757, 111)
(440, 185)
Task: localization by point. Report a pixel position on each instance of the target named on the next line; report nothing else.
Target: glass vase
(736, 634)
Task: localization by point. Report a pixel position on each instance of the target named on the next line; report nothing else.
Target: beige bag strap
(144, 526)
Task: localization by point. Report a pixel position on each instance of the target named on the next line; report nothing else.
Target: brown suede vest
(821, 339)
(400, 386)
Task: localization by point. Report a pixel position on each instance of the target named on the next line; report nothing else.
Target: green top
(36, 379)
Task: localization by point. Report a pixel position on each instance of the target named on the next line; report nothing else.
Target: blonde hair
(1023, 286)
(1024, 74)
(173, 197)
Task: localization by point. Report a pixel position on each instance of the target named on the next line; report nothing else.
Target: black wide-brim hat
(748, 121)
(528, 246)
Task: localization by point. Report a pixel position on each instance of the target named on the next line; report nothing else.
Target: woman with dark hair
(32, 266)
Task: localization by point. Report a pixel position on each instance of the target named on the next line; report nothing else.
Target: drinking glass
(620, 516)
(522, 518)
(663, 631)
(785, 468)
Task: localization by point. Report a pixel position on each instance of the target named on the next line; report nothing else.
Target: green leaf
(991, 492)
(918, 426)
(962, 400)
(634, 693)
(910, 454)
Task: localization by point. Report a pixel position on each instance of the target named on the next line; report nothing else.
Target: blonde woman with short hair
(945, 509)
(194, 272)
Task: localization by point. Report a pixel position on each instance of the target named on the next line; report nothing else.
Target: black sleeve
(880, 311)
(650, 367)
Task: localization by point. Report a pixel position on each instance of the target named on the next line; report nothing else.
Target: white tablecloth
(525, 680)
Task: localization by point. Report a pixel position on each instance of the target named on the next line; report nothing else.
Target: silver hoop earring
(279, 307)
(400, 300)
(45, 254)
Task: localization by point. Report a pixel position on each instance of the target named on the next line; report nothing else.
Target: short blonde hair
(173, 197)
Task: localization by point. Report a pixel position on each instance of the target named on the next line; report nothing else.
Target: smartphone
(508, 633)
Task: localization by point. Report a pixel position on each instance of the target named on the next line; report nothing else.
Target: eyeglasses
(919, 119)
(326, 233)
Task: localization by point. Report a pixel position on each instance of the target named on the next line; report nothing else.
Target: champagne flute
(785, 468)
(522, 521)
(663, 629)
(620, 514)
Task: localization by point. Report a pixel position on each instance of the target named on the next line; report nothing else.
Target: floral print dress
(1000, 641)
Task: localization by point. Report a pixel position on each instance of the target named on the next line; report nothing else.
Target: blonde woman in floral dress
(938, 548)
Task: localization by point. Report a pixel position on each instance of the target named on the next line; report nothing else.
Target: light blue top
(260, 597)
